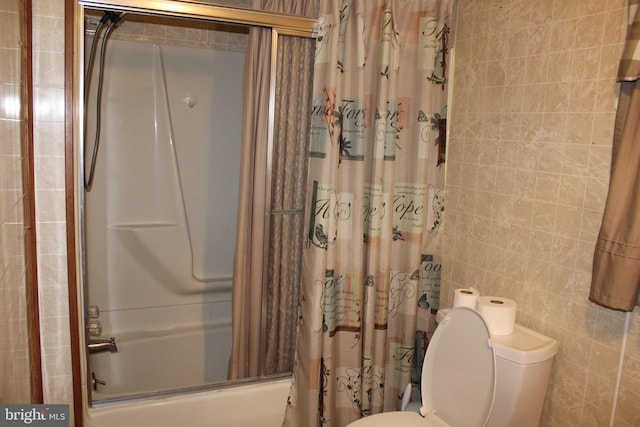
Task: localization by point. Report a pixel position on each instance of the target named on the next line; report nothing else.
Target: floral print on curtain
(375, 204)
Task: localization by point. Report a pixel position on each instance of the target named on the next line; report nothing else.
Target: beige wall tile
(51, 205)
(590, 29)
(47, 137)
(48, 31)
(48, 68)
(580, 127)
(14, 360)
(599, 391)
(546, 195)
(539, 75)
(175, 32)
(572, 190)
(48, 54)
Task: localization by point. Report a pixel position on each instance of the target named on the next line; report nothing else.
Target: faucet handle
(95, 327)
(95, 381)
(93, 312)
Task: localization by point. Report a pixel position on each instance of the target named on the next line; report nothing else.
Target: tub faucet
(99, 346)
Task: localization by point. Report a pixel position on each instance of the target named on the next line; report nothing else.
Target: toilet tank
(523, 365)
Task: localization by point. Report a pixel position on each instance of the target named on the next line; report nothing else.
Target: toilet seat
(458, 377)
(459, 370)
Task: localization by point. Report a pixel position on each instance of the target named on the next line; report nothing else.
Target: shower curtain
(374, 204)
(248, 265)
(289, 161)
(616, 264)
(249, 356)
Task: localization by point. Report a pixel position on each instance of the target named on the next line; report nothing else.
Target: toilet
(472, 379)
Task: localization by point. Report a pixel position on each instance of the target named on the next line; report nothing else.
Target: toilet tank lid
(524, 346)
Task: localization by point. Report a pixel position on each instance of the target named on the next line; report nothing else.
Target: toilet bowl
(472, 379)
(458, 377)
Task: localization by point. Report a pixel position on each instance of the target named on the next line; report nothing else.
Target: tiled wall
(179, 32)
(533, 107)
(174, 32)
(532, 113)
(14, 360)
(48, 93)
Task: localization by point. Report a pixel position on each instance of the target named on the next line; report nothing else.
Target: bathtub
(258, 404)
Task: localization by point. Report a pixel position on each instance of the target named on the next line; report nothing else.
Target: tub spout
(99, 346)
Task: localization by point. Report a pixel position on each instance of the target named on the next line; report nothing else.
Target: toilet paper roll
(465, 297)
(499, 313)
